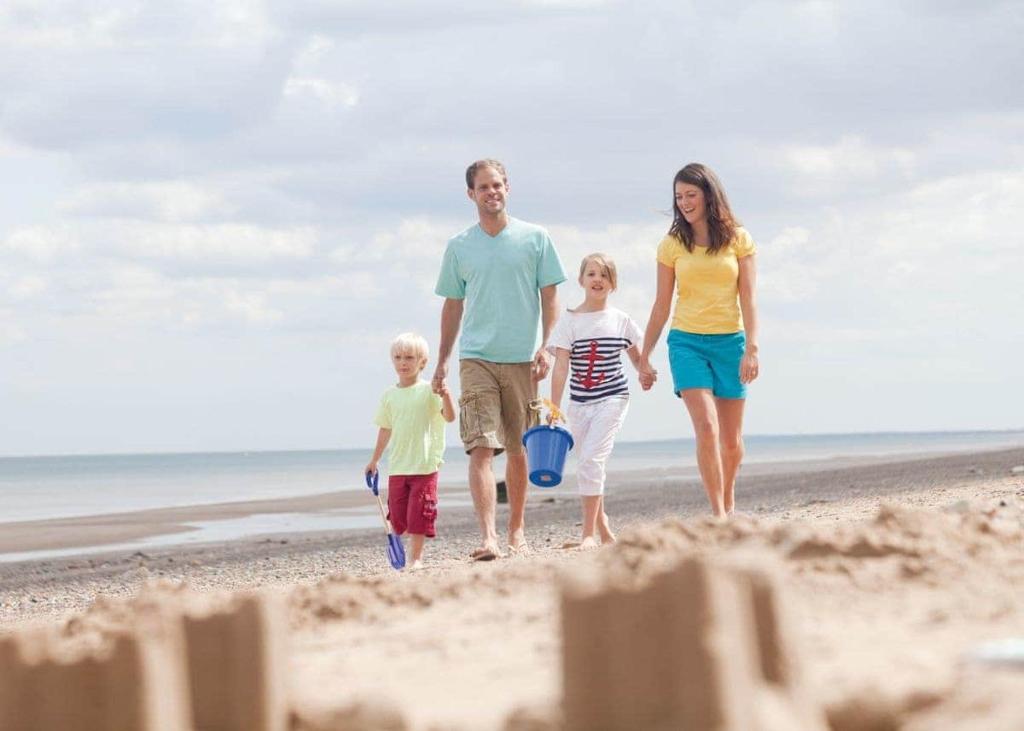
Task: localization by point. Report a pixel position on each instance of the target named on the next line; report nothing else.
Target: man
(498, 278)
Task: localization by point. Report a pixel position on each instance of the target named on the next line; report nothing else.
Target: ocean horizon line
(669, 440)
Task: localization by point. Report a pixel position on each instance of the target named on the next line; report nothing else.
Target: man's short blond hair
(410, 343)
(607, 265)
(479, 165)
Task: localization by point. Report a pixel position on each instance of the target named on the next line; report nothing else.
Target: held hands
(438, 382)
(749, 367)
(647, 373)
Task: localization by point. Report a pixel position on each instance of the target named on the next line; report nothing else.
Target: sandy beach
(892, 570)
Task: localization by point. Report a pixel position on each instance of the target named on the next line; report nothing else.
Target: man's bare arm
(451, 320)
(548, 315)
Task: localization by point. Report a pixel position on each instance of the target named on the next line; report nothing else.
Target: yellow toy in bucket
(547, 446)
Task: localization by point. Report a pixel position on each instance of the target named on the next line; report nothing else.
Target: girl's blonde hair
(410, 343)
(607, 265)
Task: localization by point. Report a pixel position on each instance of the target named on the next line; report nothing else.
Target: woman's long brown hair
(721, 223)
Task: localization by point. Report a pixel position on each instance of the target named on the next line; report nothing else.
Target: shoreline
(136, 530)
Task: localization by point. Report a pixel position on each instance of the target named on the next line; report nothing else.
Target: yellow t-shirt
(413, 414)
(708, 298)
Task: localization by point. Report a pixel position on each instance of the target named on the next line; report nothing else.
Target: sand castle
(175, 668)
(699, 646)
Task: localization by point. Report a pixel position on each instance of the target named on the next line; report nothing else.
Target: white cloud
(851, 161)
(147, 240)
(172, 201)
(231, 241)
(418, 238)
(332, 94)
(27, 287)
(252, 306)
(41, 243)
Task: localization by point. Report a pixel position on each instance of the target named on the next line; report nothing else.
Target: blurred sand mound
(920, 541)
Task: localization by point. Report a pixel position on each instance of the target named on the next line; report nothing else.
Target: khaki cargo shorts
(494, 408)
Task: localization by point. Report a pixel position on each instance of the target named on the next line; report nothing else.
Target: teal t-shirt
(500, 279)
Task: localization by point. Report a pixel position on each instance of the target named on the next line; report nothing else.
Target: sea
(46, 488)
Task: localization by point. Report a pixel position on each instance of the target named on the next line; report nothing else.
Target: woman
(708, 259)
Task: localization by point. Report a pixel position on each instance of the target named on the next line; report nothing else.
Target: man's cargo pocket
(469, 417)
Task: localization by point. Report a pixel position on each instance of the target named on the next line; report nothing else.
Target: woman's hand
(749, 367)
(648, 374)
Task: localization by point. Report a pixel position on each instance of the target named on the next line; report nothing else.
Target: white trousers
(593, 427)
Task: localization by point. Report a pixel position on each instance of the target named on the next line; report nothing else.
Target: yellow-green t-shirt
(413, 414)
(708, 298)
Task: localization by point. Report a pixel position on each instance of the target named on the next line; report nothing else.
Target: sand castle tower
(183, 663)
(133, 681)
(701, 646)
(236, 665)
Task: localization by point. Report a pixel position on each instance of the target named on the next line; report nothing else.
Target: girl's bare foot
(588, 543)
(606, 531)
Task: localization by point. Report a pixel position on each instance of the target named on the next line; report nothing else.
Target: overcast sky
(216, 215)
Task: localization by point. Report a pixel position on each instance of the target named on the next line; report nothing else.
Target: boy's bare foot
(605, 530)
(588, 543)
(416, 566)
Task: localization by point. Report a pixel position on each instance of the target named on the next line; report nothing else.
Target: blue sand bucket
(546, 447)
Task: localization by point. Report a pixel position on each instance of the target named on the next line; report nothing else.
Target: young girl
(588, 341)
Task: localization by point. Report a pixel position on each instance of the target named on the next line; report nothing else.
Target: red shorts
(412, 503)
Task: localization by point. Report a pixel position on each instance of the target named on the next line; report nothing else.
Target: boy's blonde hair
(410, 343)
(607, 265)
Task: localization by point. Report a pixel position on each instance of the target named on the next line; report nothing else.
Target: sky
(216, 216)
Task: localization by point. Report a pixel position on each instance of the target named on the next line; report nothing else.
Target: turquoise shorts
(707, 361)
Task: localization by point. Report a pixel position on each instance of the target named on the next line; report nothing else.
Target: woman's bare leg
(701, 405)
(730, 439)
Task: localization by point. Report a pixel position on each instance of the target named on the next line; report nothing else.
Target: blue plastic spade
(396, 552)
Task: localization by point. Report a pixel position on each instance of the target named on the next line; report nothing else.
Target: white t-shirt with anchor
(595, 341)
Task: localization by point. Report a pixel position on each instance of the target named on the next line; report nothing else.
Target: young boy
(411, 418)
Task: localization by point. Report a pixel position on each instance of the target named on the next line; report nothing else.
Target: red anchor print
(588, 381)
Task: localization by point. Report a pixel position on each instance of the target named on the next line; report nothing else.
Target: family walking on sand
(499, 281)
